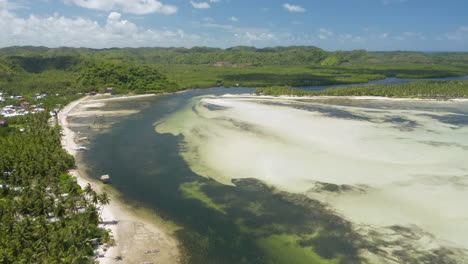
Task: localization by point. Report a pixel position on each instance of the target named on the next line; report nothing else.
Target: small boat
(152, 252)
(82, 148)
(105, 178)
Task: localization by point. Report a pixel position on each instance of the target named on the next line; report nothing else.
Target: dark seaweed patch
(336, 188)
(213, 107)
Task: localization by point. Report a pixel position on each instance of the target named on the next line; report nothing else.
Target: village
(16, 105)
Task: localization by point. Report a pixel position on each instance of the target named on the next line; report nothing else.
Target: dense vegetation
(422, 89)
(70, 69)
(45, 217)
(246, 56)
(125, 78)
(71, 76)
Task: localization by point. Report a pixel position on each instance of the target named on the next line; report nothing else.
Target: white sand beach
(134, 234)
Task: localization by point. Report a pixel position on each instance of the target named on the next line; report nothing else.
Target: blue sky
(423, 25)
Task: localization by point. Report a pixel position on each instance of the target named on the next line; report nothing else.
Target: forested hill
(67, 74)
(30, 70)
(244, 56)
(125, 78)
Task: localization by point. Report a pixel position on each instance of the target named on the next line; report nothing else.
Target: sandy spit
(119, 98)
(133, 233)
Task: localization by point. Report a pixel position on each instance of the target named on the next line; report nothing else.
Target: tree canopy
(45, 217)
(423, 89)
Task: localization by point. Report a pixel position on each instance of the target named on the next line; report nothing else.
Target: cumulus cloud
(55, 31)
(294, 8)
(139, 7)
(200, 5)
(114, 16)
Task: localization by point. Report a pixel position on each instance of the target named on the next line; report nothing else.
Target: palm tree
(103, 199)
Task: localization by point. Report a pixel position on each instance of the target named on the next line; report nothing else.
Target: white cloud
(417, 35)
(383, 36)
(4, 4)
(114, 16)
(325, 34)
(249, 35)
(200, 5)
(254, 37)
(459, 34)
(234, 19)
(294, 8)
(328, 35)
(55, 31)
(139, 7)
(345, 36)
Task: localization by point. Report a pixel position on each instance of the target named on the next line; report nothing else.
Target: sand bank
(133, 233)
(381, 166)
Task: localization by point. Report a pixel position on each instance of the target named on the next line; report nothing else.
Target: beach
(133, 232)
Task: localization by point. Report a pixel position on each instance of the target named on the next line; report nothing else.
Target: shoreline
(327, 97)
(133, 233)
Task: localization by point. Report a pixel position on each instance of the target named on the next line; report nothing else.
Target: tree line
(422, 89)
(45, 217)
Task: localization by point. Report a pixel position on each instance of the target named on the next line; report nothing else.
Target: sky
(420, 25)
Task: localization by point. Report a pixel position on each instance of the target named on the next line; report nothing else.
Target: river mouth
(249, 219)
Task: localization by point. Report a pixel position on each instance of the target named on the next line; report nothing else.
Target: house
(24, 104)
(92, 93)
(3, 123)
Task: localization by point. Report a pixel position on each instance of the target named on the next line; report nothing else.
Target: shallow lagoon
(385, 163)
(320, 210)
